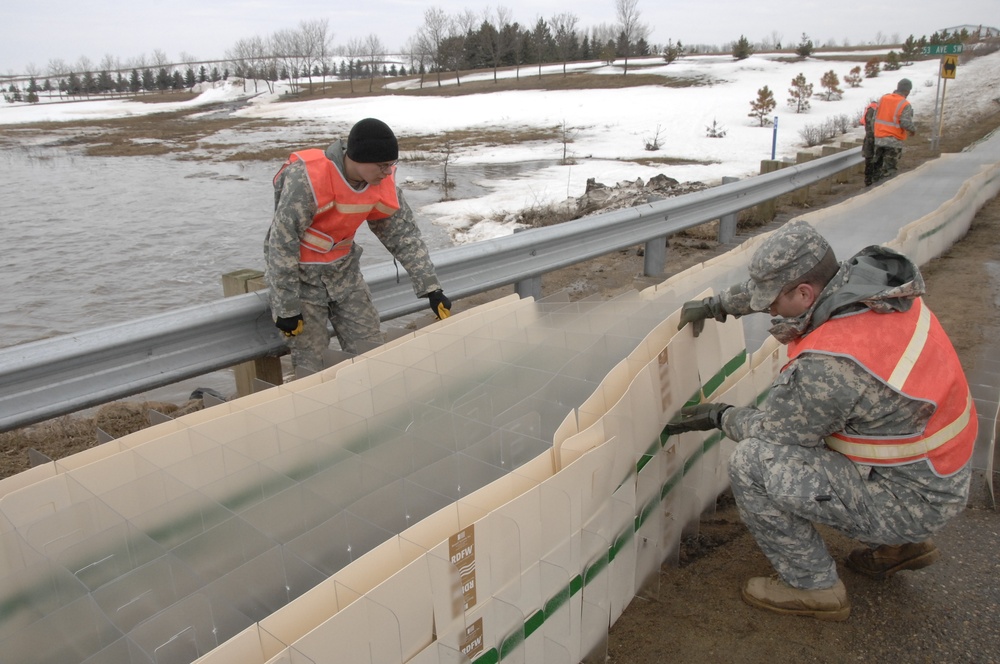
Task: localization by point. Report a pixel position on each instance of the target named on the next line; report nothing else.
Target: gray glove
(696, 311)
(702, 417)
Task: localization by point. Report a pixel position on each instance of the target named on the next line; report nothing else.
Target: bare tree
(517, 40)
(374, 51)
(461, 27)
(248, 58)
(420, 52)
(435, 31)
(879, 38)
(58, 67)
(355, 49)
(160, 58)
(316, 43)
(286, 50)
(499, 22)
(630, 28)
(564, 27)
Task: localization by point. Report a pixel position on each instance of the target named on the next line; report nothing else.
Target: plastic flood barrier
(494, 487)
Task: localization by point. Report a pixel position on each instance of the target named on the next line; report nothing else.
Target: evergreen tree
(163, 79)
(831, 86)
(762, 106)
(805, 47)
(892, 61)
(742, 49)
(799, 94)
(673, 51)
(873, 67)
(189, 78)
(853, 78)
(177, 80)
(910, 50)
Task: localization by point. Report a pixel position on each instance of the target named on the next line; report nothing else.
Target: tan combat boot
(775, 595)
(886, 560)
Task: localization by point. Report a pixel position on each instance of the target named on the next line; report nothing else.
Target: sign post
(774, 137)
(949, 65)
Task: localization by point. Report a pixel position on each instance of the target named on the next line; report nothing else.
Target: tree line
(443, 44)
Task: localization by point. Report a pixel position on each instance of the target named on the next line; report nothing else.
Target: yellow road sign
(949, 65)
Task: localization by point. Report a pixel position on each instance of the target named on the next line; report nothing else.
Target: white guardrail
(52, 377)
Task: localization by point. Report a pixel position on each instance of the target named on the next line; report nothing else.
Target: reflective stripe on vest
(340, 209)
(890, 110)
(910, 353)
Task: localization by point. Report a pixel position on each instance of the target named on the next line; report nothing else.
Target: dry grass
(187, 134)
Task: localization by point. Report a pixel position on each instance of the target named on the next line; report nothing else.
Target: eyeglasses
(386, 167)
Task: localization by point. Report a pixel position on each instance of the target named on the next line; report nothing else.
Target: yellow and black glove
(439, 303)
(290, 326)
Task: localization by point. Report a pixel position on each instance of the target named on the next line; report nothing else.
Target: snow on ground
(606, 128)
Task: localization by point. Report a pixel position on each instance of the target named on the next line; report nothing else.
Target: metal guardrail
(44, 379)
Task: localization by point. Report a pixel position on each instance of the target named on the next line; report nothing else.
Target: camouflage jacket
(294, 208)
(817, 394)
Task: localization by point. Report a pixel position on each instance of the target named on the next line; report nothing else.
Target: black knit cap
(371, 141)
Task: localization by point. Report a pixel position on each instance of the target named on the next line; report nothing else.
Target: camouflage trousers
(782, 490)
(352, 314)
(885, 163)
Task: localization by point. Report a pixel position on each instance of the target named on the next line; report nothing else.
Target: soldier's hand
(439, 303)
(290, 326)
(697, 311)
(701, 417)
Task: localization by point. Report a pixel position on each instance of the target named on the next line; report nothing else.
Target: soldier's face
(374, 173)
(793, 302)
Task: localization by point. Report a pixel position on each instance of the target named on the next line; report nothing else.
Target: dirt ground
(947, 613)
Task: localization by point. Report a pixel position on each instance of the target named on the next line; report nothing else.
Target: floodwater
(93, 241)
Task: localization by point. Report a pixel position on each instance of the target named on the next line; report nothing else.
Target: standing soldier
(893, 125)
(868, 146)
(313, 265)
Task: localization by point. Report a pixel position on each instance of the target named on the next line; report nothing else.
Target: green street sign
(942, 49)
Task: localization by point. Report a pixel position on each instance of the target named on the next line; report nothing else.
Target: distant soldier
(893, 125)
(868, 146)
(313, 265)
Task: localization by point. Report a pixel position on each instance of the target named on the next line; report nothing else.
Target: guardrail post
(766, 211)
(530, 287)
(843, 176)
(267, 369)
(858, 170)
(825, 186)
(801, 195)
(654, 258)
(727, 223)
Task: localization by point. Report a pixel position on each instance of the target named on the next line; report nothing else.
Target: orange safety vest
(890, 108)
(909, 352)
(340, 210)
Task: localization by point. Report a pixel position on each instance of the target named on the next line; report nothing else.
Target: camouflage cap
(783, 258)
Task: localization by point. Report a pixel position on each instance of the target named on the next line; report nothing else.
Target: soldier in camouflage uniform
(785, 475)
(313, 266)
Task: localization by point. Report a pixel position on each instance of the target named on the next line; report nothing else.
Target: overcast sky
(36, 32)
